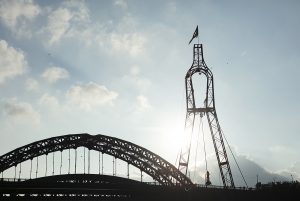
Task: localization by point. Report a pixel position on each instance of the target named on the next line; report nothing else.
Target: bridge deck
(104, 187)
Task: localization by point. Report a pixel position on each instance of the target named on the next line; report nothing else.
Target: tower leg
(220, 150)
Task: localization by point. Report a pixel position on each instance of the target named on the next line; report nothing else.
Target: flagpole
(198, 35)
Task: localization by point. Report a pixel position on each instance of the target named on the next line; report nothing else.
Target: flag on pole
(195, 34)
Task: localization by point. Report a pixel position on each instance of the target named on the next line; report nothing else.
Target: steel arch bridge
(159, 169)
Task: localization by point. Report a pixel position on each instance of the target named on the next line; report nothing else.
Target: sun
(172, 133)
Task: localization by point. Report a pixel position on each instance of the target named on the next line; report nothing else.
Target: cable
(89, 160)
(128, 170)
(37, 167)
(207, 179)
(46, 165)
(189, 150)
(234, 158)
(15, 172)
(69, 162)
(181, 112)
(197, 148)
(60, 162)
(84, 160)
(30, 167)
(99, 162)
(53, 163)
(20, 170)
(102, 162)
(75, 160)
(204, 147)
(113, 166)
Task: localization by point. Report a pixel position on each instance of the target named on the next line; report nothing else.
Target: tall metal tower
(207, 109)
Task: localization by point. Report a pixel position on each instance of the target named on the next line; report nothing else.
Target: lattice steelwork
(145, 160)
(199, 66)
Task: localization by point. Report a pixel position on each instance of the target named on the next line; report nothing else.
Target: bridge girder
(159, 169)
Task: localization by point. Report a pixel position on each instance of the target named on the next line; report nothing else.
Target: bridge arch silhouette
(159, 169)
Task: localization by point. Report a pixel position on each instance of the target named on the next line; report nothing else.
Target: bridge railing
(12, 179)
(222, 187)
(154, 183)
(203, 186)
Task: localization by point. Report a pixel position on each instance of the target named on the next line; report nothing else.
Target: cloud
(295, 170)
(12, 62)
(142, 103)
(53, 74)
(134, 78)
(19, 111)
(120, 37)
(48, 101)
(90, 95)
(296, 167)
(16, 14)
(58, 24)
(32, 84)
(135, 71)
(132, 43)
(249, 168)
(72, 20)
(66, 20)
(277, 149)
(121, 3)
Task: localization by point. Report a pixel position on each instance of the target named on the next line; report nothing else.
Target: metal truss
(159, 169)
(199, 66)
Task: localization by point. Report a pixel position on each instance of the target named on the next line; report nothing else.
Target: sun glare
(172, 133)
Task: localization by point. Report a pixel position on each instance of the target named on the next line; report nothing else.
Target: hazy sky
(117, 68)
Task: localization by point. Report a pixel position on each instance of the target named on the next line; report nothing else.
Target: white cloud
(66, 20)
(32, 84)
(79, 10)
(90, 95)
(134, 70)
(132, 43)
(249, 168)
(142, 103)
(121, 3)
(48, 101)
(71, 20)
(296, 167)
(58, 24)
(134, 78)
(19, 111)
(53, 74)
(126, 38)
(16, 14)
(280, 149)
(12, 62)
(113, 37)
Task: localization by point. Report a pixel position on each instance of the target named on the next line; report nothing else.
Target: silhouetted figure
(207, 179)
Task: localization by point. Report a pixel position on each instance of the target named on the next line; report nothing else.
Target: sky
(117, 68)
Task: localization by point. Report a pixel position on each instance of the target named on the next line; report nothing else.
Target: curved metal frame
(159, 169)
